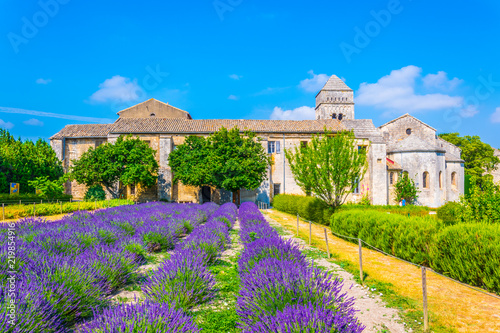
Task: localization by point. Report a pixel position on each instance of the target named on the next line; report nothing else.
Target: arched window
(341, 116)
(426, 180)
(152, 115)
(334, 116)
(441, 180)
(454, 180)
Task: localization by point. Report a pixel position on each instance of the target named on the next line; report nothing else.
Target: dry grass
(451, 305)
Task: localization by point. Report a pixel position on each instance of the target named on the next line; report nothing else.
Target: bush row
(47, 209)
(467, 252)
(12, 198)
(313, 209)
(280, 291)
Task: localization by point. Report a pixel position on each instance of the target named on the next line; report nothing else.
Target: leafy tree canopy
(478, 156)
(329, 166)
(405, 188)
(129, 161)
(22, 162)
(225, 159)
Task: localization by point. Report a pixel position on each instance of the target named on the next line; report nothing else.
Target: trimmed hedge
(309, 208)
(313, 209)
(467, 252)
(13, 198)
(403, 237)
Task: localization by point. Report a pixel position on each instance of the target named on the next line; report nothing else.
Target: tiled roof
(84, 131)
(364, 128)
(159, 125)
(392, 165)
(152, 125)
(335, 83)
(413, 143)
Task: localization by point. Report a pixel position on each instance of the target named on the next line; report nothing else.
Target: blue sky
(74, 62)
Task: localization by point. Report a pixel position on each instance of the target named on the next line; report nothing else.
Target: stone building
(403, 145)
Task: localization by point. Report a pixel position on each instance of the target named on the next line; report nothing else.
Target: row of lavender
(179, 284)
(280, 290)
(55, 275)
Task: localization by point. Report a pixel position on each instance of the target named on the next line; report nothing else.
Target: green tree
(22, 162)
(482, 204)
(478, 156)
(48, 188)
(405, 188)
(129, 161)
(330, 166)
(225, 159)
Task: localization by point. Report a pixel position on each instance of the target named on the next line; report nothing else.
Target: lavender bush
(281, 291)
(140, 318)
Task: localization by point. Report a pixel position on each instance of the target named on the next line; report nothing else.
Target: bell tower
(335, 100)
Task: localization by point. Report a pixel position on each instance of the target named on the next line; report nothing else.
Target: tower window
(340, 116)
(334, 116)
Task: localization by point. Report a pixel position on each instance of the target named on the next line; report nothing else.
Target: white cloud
(233, 97)
(236, 76)
(33, 122)
(6, 125)
(495, 116)
(56, 115)
(43, 81)
(396, 93)
(469, 111)
(315, 83)
(117, 89)
(300, 113)
(441, 81)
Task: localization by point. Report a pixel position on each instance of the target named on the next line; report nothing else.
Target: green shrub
(309, 208)
(408, 238)
(95, 193)
(449, 213)
(469, 252)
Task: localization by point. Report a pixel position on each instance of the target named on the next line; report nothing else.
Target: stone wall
(396, 130)
(453, 192)
(496, 173)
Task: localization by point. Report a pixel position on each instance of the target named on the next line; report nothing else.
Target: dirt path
(452, 307)
(373, 313)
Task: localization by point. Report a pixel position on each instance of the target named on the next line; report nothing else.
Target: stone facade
(403, 145)
(496, 173)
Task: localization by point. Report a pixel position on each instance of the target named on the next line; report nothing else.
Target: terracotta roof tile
(83, 131)
(160, 125)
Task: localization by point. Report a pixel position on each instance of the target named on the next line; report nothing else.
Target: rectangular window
(391, 178)
(273, 147)
(98, 143)
(303, 144)
(132, 189)
(277, 188)
(148, 142)
(356, 187)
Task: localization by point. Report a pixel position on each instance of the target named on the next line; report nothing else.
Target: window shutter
(278, 147)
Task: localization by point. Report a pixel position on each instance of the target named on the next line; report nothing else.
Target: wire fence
(424, 269)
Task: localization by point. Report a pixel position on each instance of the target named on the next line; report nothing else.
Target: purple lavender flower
(182, 281)
(140, 318)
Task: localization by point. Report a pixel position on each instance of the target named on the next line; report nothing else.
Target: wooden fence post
(309, 232)
(327, 246)
(297, 224)
(360, 261)
(424, 292)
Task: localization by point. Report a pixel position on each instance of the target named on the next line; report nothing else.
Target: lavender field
(61, 276)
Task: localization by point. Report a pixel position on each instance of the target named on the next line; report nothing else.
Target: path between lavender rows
(373, 312)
